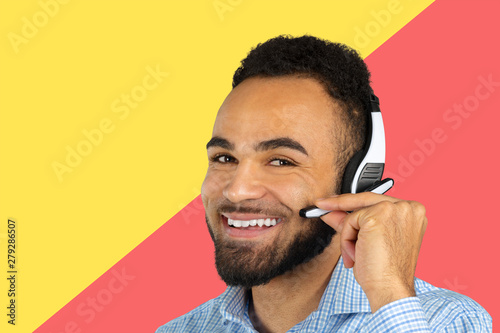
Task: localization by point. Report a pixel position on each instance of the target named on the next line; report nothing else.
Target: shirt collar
(234, 305)
(342, 295)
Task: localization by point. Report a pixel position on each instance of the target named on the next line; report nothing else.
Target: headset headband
(366, 166)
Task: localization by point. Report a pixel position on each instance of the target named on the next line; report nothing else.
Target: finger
(350, 201)
(335, 219)
(348, 239)
(348, 261)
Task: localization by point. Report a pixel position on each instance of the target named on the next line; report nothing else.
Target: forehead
(263, 108)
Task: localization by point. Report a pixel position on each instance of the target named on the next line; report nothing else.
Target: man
(281, 141)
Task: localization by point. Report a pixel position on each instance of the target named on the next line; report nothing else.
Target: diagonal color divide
(84, 62)
(426, 66)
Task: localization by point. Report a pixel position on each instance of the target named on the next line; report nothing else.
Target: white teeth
(260, 222)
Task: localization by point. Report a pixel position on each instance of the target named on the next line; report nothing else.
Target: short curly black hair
(340, 70)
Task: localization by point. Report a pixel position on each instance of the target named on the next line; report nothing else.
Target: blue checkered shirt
(345, 308)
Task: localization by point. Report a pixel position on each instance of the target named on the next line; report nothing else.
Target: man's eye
(223, 159)
(281, 162)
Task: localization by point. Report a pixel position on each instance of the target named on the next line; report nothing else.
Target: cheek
(292, 190)
(212, 186)
(302, 189)
(211, 190)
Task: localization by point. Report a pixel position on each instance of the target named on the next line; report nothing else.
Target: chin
(248, 264)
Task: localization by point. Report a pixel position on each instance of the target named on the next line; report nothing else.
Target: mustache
(271, 209)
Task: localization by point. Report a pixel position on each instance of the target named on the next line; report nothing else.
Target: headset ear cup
(350, 171)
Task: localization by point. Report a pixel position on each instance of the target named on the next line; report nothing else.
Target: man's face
(272, 153)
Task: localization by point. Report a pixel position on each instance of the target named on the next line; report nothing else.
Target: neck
(288, 299)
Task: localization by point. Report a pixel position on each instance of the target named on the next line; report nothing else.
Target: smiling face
(272, 153)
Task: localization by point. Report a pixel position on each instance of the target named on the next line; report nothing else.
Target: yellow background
(63, 80)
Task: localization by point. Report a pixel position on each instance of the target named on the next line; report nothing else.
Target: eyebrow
(283, 142)
(217, 141)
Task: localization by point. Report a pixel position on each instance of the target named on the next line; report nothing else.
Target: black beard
(239, 264)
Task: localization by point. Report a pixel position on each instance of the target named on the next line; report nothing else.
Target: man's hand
(380, 239)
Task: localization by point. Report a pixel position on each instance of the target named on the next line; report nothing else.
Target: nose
(245, 184)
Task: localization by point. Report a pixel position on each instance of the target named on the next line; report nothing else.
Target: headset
(366, 167)
(364, 171)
